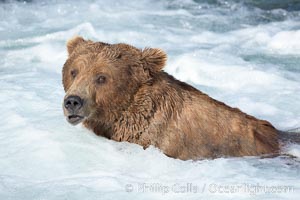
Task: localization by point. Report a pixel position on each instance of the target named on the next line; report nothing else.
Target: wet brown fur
(142, 104)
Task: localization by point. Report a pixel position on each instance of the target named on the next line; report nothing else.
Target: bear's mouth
(75, 119)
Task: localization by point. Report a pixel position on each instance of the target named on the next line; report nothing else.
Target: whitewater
(244, 53)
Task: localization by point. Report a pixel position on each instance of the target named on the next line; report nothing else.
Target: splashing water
(245, 53)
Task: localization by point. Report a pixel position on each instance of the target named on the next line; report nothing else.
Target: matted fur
(141, 104)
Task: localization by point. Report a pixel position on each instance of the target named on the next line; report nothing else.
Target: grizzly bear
(122, 93)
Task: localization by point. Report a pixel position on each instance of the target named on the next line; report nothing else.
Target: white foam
(270, 38)
(293, 149)
(85, 29)
(198, 69)
(43, 157)
(286, 42)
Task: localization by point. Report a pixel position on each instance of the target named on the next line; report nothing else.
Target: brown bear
(121, 92)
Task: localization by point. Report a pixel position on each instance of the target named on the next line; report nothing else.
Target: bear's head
(100, 79)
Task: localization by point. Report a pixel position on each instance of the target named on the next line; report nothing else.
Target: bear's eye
(74, 73)
(100, 79)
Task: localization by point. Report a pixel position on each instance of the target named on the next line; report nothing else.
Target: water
(245, 53)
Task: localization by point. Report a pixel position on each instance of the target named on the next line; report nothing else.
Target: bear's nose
(73, 103)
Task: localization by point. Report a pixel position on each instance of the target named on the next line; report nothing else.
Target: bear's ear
(73, 43)
(154, 59)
